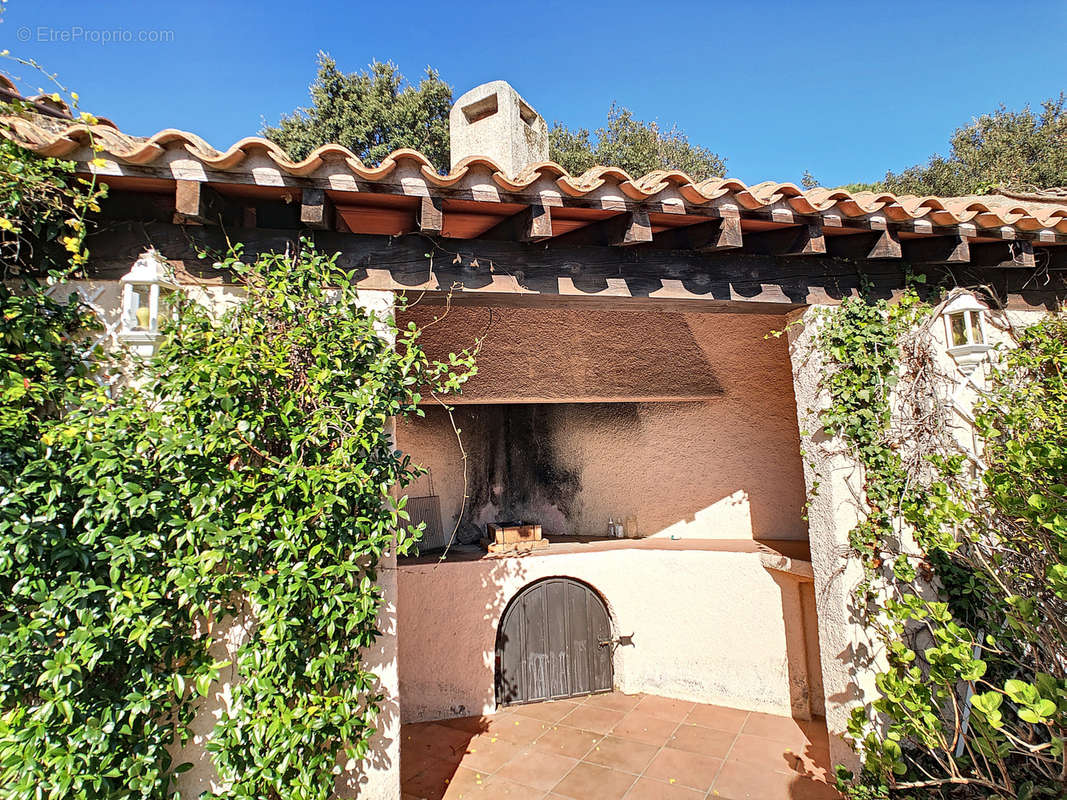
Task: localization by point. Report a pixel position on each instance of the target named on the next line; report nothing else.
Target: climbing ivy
(245, 474)
(964, 576)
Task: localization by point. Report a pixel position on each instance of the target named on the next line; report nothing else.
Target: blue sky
(843, 89)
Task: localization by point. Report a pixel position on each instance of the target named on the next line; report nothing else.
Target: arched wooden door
(553, 642)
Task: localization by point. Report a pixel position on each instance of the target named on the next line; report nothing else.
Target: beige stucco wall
(717, 627)
(851, 654)
(726, 466)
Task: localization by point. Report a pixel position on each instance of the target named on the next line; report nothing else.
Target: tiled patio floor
(615, 746)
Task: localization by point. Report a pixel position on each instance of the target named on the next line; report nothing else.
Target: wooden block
(431, 215)
(316, 209)
(511, 534)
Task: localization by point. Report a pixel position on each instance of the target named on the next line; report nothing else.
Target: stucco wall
(544, 354)
(727, 466)
(851, 654)
(716, 627)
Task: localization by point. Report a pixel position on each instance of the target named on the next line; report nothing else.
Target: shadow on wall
(802, 645)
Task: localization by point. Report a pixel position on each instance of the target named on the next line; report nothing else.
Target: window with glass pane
(976, 327)
(959, 329)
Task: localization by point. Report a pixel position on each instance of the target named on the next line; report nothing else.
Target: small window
(976, 328)
(958, 323)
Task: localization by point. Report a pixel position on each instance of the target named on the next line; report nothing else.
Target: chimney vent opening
(480, 109)
(529, 116)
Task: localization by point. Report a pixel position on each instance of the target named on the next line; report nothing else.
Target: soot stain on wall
(516, 466)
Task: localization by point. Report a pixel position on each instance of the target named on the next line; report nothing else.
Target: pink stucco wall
(724, 466)
(709, 625)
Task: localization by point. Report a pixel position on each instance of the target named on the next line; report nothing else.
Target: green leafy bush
(249, 469)
(973, 702)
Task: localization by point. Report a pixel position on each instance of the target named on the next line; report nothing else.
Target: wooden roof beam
(936, 250)
(532, 224)
(875, 245)
(622, 230)
(705, 237)
(196, 203)
(806, 239)
(431, 215)
(316, 210)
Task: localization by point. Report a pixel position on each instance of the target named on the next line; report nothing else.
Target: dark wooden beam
(598, 275)
(197, 203)
(316, 210)
(795, 240)
(621, 230)
(936, 250)
(1051, 257)
(532, 224)
(706, 237)
(866, 246)
(1003, 254)
(431, 215)
(124, 205)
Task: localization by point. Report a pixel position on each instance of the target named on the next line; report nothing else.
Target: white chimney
(492, 120)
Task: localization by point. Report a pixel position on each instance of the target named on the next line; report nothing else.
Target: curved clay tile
(239, 151)
(1046, 209)
(444, 181)
(48, 101)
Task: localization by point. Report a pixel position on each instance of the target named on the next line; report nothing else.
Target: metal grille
(427, 510)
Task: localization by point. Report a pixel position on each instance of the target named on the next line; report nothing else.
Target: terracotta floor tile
(665, 707)
(466, 724)
(758, 750)
(608, 746)
(718, 717)
(645, 728)
(795, 733)
(516, 727)
(537, 769)
(467, 784)
(694, 770)
(566, 741)
(432, 782)
(648, 789)
(614, 701)
(546, 712)
(489, 753)
(741, 781)
(437, 741)
(590, 782)
(621, 754)
(589, 718)
(706, 741)
(497, 787)
(814, 762)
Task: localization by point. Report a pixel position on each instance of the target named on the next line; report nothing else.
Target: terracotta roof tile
(1023, 211)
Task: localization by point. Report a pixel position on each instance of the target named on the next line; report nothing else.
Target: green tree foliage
(1013, 149)
(986, 642)
(634, 145)
(372, 113)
